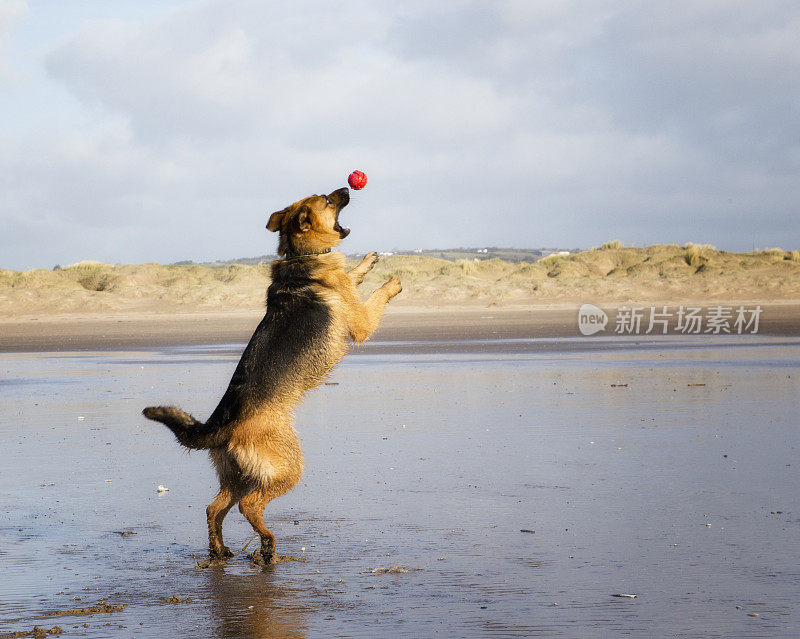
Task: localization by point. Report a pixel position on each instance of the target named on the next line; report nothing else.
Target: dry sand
(95, 306)
(610, 275)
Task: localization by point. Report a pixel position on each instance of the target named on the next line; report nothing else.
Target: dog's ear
(276, 219)
(301, 221)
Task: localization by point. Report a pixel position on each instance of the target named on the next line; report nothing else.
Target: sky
(150, 130)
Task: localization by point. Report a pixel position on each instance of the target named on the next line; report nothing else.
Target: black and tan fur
(312, 309)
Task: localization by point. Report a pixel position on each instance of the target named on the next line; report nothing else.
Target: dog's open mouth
(342, 199)
(343, 231)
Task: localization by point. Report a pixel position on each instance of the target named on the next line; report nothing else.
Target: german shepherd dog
(312, 309)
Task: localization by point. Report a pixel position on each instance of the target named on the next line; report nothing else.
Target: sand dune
(608, 274)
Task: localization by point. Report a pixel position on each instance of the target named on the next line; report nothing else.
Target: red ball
(357, 180)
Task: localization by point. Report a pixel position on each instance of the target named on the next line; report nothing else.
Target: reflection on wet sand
(515, 492)
(252, 606)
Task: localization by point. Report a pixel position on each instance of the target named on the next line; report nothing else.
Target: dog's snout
(342, 196)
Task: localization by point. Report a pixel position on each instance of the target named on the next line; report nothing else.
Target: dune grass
(611, 273)
(698, 255)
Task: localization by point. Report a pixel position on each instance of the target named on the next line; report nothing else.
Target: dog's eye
(328, 200)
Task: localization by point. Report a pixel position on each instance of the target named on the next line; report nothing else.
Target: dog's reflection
(253, 606)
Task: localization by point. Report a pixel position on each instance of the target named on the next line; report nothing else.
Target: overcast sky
(148, 130)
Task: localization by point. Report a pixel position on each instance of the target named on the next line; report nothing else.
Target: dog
(313, 308)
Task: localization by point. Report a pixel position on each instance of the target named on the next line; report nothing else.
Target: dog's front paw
(369, 260)
(392, 287)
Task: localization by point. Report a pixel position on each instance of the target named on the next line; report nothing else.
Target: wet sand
(400, 324)
(664, 468)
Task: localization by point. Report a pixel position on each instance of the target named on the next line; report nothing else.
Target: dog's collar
(294, 256)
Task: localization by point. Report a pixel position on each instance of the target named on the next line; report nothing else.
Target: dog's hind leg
(215, 513)
(252, 507)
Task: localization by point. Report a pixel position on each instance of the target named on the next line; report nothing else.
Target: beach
(465, 477)
(524, 278)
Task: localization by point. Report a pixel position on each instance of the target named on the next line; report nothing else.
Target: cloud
(11, 12)
(506, 123)
(204, 75)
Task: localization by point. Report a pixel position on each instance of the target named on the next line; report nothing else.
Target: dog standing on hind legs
(312, 309)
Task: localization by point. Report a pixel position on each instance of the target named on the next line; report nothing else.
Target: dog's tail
(189, 431)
